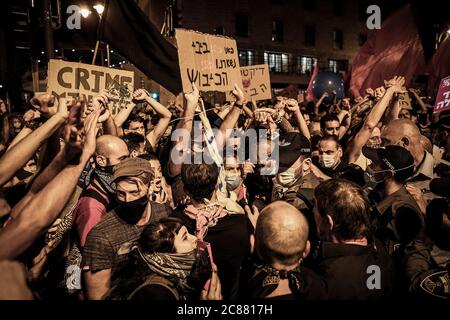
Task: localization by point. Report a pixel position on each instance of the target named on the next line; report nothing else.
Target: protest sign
(256, 83)
(70, 79)
(211, 62)
(443, 96)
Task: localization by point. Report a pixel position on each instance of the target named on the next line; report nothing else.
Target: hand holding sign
(45, 103)
(238, 94)
(193, 96)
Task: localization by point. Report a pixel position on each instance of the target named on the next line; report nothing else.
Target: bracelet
(278, 119)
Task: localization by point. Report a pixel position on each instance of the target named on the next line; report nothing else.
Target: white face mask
(327, 160)
(233, 181)
(287, 178)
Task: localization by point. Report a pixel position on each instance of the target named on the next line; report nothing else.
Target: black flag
(125, 27)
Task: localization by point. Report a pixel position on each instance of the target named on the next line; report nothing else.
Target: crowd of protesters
(351, 200)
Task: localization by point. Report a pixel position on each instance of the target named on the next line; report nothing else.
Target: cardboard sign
(256, 82)
(211, 62)
(70, 79)
(443, 96)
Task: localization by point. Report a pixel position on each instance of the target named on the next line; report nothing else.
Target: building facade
(289, 35)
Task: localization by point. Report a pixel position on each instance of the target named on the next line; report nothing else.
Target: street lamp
(99, 8)
(85, 12)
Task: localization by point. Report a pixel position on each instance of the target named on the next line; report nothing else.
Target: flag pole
(95, 52)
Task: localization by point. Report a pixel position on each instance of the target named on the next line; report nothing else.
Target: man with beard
(109, 242)
(98, 196)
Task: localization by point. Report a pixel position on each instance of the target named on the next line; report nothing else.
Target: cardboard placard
(70, 79)
(211, 62)
(443, 96)
(256, 83)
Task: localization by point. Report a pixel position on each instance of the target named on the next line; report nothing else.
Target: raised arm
(123, 115)
(185, 124)
(30, 223)
(4, 123)
(17, 156)
(232, 117)
(354, 149)
(164, 117)
(293, 106)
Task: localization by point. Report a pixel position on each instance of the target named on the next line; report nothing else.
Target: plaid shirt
(110, 241)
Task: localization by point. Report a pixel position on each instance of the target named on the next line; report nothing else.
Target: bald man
(97, 196)
(281, 243)
(405, 133)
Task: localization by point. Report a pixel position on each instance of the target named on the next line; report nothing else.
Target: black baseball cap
(393, 158)
(441, 187)
(291, 146)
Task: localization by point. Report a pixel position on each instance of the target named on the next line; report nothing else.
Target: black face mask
(107, 169)
(131, 212)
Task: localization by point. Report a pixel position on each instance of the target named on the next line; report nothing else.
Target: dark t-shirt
(110, 241)
(230, 244)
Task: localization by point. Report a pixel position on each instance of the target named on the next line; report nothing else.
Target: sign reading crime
(443, 96)
(211, 62)
(70, 79)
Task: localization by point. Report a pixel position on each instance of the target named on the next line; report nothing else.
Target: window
(338, 41)
(338, 65)
(246, 57)
(362, 38)
(241, 25)
(310, 35)
(338, 7)
(305, 65)
(309, 5)
(278, 62)
(277, 30)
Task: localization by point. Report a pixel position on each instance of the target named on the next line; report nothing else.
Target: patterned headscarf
(173, 266)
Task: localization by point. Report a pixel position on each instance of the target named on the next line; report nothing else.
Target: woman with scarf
(165, 265)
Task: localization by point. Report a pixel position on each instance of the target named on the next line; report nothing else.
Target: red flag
(439, 66)
(393, 50)
(309, 93)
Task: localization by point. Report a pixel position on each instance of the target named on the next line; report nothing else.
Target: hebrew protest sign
(443, 96)
(211, 62)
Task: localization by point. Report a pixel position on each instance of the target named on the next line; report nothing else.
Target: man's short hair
(200, 180)
(132, 118)
(346, 203)
(330, 137)
(327, 118)
(281, 234)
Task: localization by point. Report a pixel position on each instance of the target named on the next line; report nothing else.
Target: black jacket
(350, 271)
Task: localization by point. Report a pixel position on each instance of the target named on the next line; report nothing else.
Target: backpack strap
(158, 280)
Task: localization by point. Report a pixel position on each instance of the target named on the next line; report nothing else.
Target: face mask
(131, 212)
(287, 178)
(107, 169)
(327, 160)
(233, 181)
